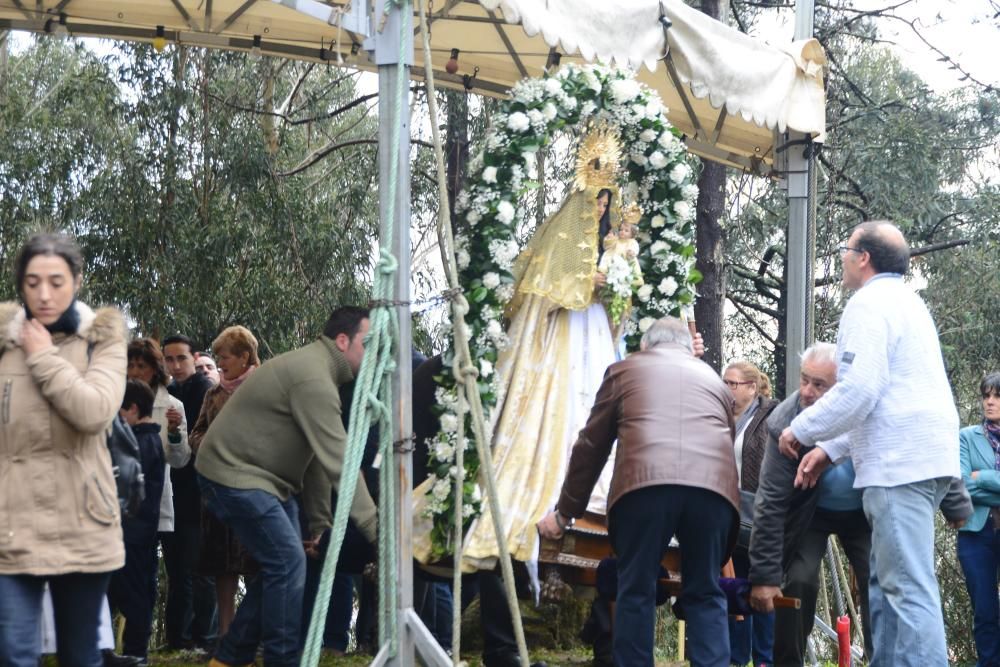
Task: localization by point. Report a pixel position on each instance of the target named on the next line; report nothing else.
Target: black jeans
(641, 524)
(133, 592)
(791, 626)
(190, 615)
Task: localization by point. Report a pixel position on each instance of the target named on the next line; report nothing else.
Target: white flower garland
(657, 177)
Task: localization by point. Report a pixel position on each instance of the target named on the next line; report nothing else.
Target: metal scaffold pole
(798, 167)
(392, 44)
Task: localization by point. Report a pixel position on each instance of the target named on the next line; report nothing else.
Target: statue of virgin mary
(561, 343)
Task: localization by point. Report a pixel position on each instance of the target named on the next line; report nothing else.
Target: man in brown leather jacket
(674, 474)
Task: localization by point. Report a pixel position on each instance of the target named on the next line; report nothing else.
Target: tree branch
(752, 321)
(737, 301)
(321, 153)
(934, 247)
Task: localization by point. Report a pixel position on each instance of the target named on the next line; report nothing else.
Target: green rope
(372, 396)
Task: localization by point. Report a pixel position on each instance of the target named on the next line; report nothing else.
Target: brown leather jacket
(673, 418)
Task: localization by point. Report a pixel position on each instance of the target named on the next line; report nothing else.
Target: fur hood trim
(96, 327)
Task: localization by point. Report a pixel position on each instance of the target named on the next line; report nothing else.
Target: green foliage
(186, 180)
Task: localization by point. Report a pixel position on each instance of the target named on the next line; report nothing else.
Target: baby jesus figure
(620, 264)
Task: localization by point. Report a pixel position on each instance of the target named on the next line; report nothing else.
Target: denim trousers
(907, 626)
(641, 524)
(979, 556)
(271, 612)
(753, 637)
(76, 601)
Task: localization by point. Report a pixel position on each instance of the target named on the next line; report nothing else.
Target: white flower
(668, 286)
(443, 452)
(666, 139)
(680, 173)
(490, 174)
(505, 292)
(505, 212)
(569, 103)
(536, 117)
(657, 160)
(657, 221)
(449, 422)
(463, 259)
(441, 489)
(503, 253)
(493, 329)
(468, 511)
(639, 110)
(473, 217)
(549, 110)
(592, 81)
(654, 108)
(638, 158)
(658, 247)
(683, 209)
(624, 90)
(648, 136)
(518, 122)
(587, 108)
(494, 141)
(485, 368)
(644, 293)
(491, 280)
(645, 323)
(690, 192)
(553, 87)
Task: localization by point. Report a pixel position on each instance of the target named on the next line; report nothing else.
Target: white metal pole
(800, 183)
(393, 110)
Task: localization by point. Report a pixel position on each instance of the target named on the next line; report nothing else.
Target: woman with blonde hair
(752, 403)
(222, 556)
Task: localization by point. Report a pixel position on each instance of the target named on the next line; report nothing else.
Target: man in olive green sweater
(282, 434)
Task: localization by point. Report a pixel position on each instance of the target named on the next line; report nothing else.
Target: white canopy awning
(726, 91)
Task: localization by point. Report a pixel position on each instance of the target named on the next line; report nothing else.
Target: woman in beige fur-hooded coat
(62, 378)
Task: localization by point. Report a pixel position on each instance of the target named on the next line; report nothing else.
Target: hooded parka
(58, 501)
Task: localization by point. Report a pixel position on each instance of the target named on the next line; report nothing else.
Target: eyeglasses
(733, 384)
(844, 249)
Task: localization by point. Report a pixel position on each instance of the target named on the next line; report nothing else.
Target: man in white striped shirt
(893, 398)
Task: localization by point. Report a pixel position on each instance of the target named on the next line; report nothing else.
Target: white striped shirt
(892, 394)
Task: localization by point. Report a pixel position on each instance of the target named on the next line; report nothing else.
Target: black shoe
(112, 659)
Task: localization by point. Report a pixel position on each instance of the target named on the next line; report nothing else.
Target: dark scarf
(992, 431)
(68, 322)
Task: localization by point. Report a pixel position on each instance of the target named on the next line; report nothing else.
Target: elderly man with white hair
(674, 475)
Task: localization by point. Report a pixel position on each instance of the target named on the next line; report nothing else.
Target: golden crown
(631, 213)
(598, 157)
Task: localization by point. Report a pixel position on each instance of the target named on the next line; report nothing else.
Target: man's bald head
(874, 247)
(886, 245)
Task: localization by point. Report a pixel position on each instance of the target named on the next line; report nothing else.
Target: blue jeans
(907, 626)
(271, 612)
(754, 635)
(641, 524)
(76, 601)
(979, 555)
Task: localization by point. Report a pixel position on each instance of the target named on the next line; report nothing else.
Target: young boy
(133, 588)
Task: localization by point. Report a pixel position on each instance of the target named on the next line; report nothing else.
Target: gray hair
(820, 353)
(666, 330)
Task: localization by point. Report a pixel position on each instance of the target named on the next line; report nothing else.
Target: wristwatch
(563, 521)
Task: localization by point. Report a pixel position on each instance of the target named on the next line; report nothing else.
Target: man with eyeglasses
(791, 526)
(894, 401)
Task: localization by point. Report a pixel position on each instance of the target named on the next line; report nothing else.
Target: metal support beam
(800, 179)
(394, 119)
(507, 43)
(184, 15)
(238, 12)
(699, 132)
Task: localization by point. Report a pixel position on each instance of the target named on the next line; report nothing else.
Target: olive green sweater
(281, 432)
